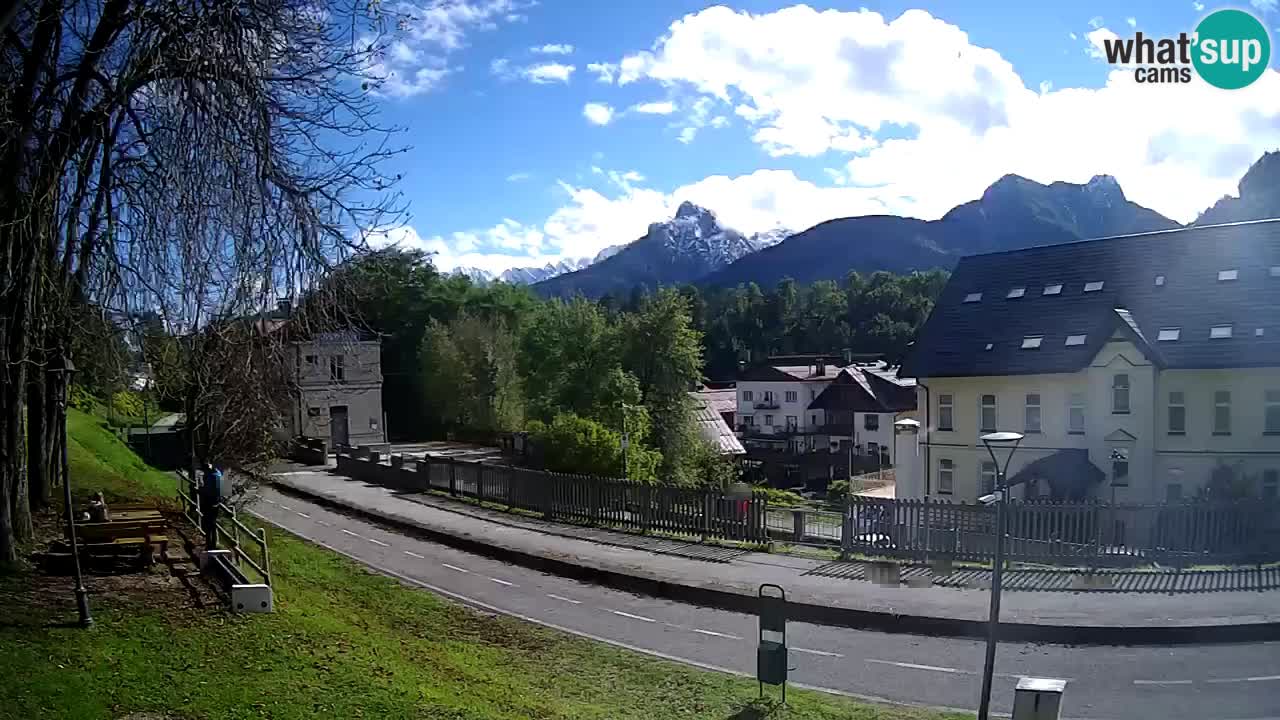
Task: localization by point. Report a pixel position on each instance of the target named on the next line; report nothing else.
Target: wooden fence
(1092, 534)
(606, 502)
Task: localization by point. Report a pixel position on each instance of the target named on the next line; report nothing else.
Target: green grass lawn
(343, 643)
(99, 460)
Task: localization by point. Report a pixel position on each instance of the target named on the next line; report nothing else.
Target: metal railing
(699, 513)
(1242, 532)
(228, 538)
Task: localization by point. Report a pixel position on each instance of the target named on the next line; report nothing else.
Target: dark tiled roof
(860, 390)
(953, 342)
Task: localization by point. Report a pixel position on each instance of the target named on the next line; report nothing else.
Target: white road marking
(914, 666)
(816, 652)
(1256, 678)
(713, 633)
(564, 599)
(455, 568)
(350, 533)
(503, 582)
(273, 502)
(377, 542)
(1161, 682)
(633, 617)
(410, 553)
(302, 514)
(321, 522)
(286, 507)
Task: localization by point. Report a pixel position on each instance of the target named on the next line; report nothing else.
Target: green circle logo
(1232, 49)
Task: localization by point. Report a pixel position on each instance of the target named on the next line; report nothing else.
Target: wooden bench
(143, 534)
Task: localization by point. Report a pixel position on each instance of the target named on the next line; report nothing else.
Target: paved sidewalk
(732, 577)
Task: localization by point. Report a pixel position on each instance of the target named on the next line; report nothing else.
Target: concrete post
(1038, 698)
(797, 525)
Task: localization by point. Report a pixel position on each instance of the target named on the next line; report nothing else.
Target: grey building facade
(339, 390)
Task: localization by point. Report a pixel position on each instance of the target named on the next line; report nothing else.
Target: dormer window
(1259, 332)
(1054, 289)
(1275, 271)
(1169, 334)
(1016, 292)
(1093, 286)
(1220, 332)
(1224, 275)
(1159, 281)
(1075, 340)
(1032, 342)
(973, 297)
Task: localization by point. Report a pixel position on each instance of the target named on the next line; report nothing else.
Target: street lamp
(1000, 496)
(63, 365)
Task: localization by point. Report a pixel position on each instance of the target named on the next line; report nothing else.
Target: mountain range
(1012, 213)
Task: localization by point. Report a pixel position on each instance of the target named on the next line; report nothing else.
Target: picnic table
(133, 526)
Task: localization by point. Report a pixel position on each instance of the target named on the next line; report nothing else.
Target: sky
(539, 131)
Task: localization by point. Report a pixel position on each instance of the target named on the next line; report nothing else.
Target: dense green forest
(475, 360)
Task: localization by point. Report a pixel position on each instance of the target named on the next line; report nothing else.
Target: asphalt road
(1231, 682)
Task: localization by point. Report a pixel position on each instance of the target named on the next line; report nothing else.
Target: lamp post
(626, 440)
(992, 441)
(63, 365)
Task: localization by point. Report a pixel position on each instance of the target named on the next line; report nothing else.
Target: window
(813, 393)
(987, 413)
(1075, 414)
(313, 412)
(871, 421)
(1093, 286)
(748, 420)
(1222, 412)
(768, 396)
(1159, 281)
(1055, 289)
(1177, 413)
(1168, 334)
(1259, 332)
(373, 423)
(987, 478)
(873, 448)
(337, 368)
(311, 359)
(973, 297)
(946, 476)
(946, 412)
(1120, 394)
(1119, 468)
(1173, 492)
(1016, 292)
(1271, 416)
(1271, 484)
(1224, 275)
(1075, 340)
(1275, 271)
(1219, 332)
(1031, 415)
(768, 420)
(989, 346)
(791, 396)
(793, 423)
(747, 396)
(1032, 342)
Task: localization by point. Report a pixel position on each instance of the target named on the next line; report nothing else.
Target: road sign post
(771, 653)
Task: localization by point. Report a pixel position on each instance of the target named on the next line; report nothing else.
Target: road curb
(820, 614)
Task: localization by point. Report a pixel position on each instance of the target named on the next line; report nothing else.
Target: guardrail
(1245, 532)
(607, 502)
(230, 537)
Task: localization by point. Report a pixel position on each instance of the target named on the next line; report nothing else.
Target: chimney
(820, 367)
(848, 356)
(285, 307)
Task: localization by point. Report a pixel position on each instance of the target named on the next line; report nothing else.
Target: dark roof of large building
(1191, 279)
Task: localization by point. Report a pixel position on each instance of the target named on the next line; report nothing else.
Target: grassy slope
(101, 461)
(343, 643)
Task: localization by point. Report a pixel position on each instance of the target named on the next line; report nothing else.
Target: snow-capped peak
(695, 234)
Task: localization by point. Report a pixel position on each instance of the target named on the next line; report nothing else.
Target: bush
(576, 444)
(838, 491)
(780, 498)
(128, 403)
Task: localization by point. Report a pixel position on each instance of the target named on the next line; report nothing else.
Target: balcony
(767, 405)
(839, 429)
(777, 432)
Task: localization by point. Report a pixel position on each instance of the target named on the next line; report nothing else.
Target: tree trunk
(38, 470)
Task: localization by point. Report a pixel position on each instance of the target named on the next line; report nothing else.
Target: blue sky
(551, 130)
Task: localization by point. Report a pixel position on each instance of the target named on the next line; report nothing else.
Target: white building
(1137, 368)
(817, 403)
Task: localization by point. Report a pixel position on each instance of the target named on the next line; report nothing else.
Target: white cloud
(518, 177)
(929, 119)
(1097, 42)
(1197, 6)
(417, 61)
(1095, 22)
(546, 73)
(1266, 6)
(552, 49)
(1073, 36)
(604, 72)
(666, 107)
(1133, 22)
(597, 113)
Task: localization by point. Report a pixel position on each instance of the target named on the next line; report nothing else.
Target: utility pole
(626, 441)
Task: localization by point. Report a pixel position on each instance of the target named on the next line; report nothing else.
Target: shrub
(780, 498)
(575, 444)
(838, 491)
